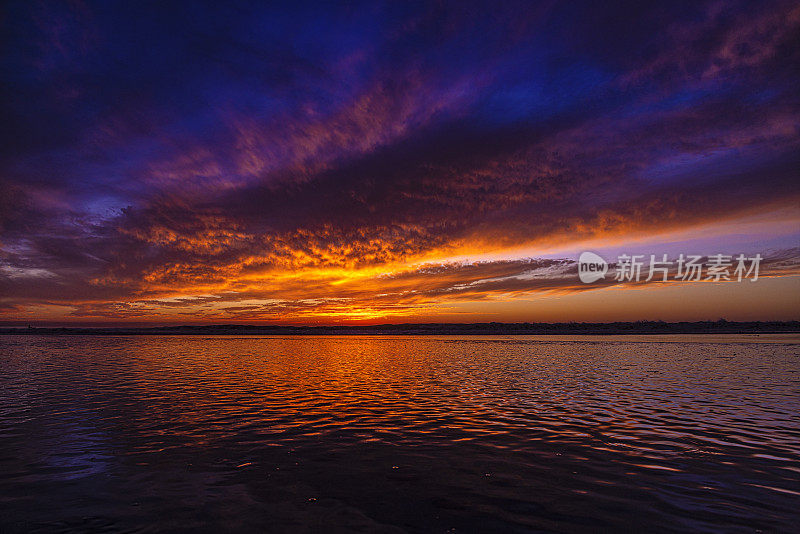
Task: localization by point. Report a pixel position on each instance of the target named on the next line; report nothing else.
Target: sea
(374, 433)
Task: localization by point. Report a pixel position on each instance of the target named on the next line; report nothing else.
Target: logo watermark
(660, 268)
(591, 267)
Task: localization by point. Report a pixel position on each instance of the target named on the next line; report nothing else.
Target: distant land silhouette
(617, 328)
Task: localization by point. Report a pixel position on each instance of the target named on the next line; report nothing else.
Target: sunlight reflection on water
(383, 433)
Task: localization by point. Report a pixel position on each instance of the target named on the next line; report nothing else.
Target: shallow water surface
(398, 434)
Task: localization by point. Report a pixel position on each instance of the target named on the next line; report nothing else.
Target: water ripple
(397, 434)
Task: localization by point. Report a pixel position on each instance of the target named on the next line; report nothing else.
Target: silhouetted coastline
(616, 328)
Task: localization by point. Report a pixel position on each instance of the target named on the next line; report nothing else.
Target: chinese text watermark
(661, 268)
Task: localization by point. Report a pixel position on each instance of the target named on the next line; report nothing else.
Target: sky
(338, 162)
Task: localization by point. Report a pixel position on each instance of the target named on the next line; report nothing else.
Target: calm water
(394, 434)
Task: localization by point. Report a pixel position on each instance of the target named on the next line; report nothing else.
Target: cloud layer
(303, 161)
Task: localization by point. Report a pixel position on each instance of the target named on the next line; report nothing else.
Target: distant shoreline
(618, 328)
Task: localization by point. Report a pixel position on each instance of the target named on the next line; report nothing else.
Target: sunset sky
(309, 163)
